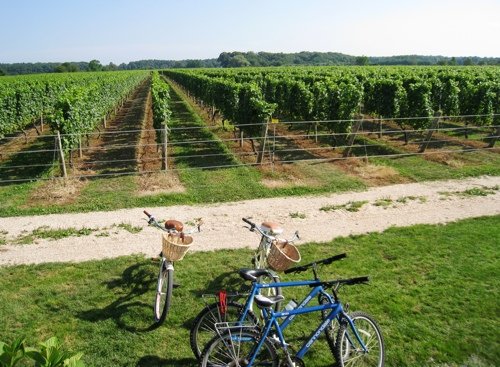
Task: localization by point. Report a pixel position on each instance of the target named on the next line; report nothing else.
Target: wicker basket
(282, 255)
(174, 247)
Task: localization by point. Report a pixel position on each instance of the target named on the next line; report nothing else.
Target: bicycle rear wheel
(163, 291)
(203, 329)
(348, 350)
(235, 348)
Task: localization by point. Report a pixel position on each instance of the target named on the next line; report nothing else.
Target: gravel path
(223, 225)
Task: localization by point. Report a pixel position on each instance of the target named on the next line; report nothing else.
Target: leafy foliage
(339, 93)
(12, 354)
(161, 101)
(76, 99)
(50, 354)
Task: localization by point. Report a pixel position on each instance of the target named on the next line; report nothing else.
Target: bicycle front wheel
(203, 329)
(348, 350)
(235, 347)
(163, 291)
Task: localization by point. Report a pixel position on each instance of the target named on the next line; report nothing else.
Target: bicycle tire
(271, 292)
(369, 331)
(203, 329)
(163, 292)
(222, 351)
(332, 329)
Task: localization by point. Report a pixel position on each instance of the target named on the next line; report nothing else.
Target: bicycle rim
(234, 348)
(163, 292)
(203, 329)
(349, 352)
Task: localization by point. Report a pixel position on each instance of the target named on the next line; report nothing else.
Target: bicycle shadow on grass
(229, 281)
(129, 311)
(155, 361)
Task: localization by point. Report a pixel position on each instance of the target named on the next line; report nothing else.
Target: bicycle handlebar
(327, 261)
(254, 227)
(351, 281)
(247, 221)
(152, 221)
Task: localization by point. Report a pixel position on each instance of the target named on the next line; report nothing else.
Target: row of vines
(335, 95)
(72, 104)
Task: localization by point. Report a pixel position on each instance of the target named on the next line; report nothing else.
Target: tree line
(244, 59)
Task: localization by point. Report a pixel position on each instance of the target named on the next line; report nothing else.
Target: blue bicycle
(226, 309)
(359, 339)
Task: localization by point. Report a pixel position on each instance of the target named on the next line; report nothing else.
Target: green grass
(383, 202)
(433, 291)
(418, 169)
(406, 199)
(46, 232)
(53, 234)
(473, 191)
(351, 206)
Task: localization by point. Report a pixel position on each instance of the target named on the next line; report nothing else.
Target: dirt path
(407, 204)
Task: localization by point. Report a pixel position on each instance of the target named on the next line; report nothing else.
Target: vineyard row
(336, 95)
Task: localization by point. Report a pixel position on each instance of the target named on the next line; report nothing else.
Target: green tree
(468, 61)
(194, 64)
(239, 61)
(95, 65)
(66, 67)
(362, 60)
(110, 67)
(2, 72)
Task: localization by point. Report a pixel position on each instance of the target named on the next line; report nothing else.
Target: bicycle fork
(356, 334)
(165, 266)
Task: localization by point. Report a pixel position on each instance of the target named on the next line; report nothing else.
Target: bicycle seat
(253, 274)
(271, 228)
(263, 301)
(174, 224)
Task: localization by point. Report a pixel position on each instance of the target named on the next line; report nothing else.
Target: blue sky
(125, 30)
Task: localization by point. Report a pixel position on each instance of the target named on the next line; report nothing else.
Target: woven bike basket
(282, 255)
(175, 247)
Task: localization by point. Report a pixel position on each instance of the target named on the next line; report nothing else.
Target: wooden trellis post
(427, 140)
(164, 148)
(61, 155)
(494, 138)
(265, 128)
(352, 136)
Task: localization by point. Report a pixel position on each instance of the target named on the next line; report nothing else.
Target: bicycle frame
(260, 257)
(337, 312)
(288, 315)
